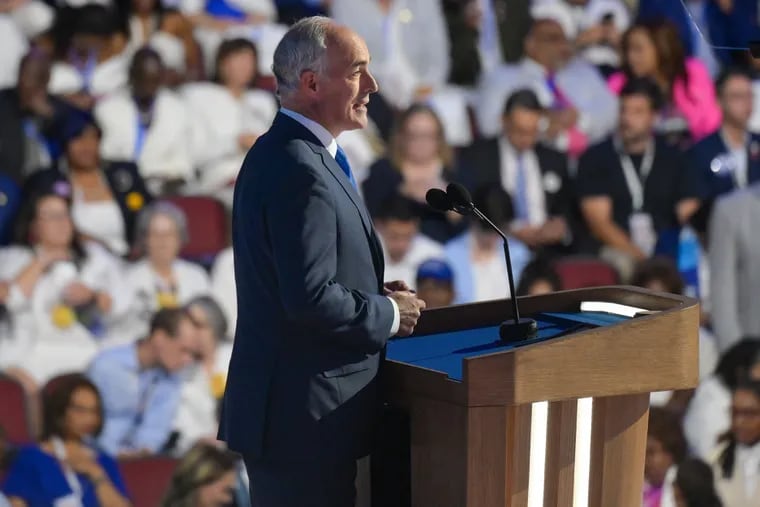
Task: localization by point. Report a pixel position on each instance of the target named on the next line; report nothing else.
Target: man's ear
(308, 81)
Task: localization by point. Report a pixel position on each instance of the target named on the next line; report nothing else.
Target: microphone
(518, 329)
(439, 200)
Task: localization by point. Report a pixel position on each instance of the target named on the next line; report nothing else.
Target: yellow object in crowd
(218, 381)
(135, 201)
(63, 316)
(166, 300)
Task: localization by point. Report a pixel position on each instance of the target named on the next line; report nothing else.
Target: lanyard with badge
(640, 223)
(75, 498)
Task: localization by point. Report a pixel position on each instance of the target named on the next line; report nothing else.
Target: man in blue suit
(314, 314)
(729, 158)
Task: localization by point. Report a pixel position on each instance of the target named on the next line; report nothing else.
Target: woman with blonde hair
(206, 477)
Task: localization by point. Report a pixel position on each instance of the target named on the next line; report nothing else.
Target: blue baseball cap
(436, 269)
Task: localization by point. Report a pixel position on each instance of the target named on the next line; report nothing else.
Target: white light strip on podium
(582, 471)
(538, 426)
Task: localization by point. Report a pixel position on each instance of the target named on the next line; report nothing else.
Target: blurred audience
(600, 26)
(223, 287)
(477, 256)
(634, 188)
(160, 279)
(538, 277)
(581, 110)
(535, 176)
(651, 49)
(404, 247)
(735, 266)
(666, 448)
(66, 468)
(729, 158)
(695, 485)
(147, 124)
(141, 384)
(205, 477)
(419, 159)
(10, 203)
(708, 414)
(62, 293)
(106, 196)
(435, 283)
(737, 465)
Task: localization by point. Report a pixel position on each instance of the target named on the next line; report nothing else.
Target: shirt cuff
(396, 318)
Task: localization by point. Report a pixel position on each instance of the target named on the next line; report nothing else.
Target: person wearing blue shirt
(141, 383)
(10, 202)
(65, 469)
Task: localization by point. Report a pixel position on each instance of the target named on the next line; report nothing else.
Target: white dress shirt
(533, 182)
(329, 142)
(421, 249)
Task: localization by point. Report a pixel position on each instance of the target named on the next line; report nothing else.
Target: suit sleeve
(302, 227)
(723, 275)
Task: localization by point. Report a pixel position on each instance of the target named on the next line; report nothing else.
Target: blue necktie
(342, 160)
(521, 190)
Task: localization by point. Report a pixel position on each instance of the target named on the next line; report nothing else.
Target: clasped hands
(409, 305)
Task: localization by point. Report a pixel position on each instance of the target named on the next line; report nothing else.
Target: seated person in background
(660, 274)
(66, 468)
(147, 124)
(708, 414)
(666, 448)
(62, 296)
(435, 283)
(91, 60)
(534, 175)
(634, 187)
(10, 202)
(31, 130)
(737, 462)
(141, 384)
(419, 159)
(729, 158)
(538, 277)
(601, 24)
(477, 256)
(223, 287)
(207, 476)
(160, 279)
(203, 387)
(652, 50)
(580, 108)
(695, 485)
(735, 266)
(226, 117)
(404, 247)
(106, 196)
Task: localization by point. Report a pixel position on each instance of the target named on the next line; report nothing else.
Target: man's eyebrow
(360, 63)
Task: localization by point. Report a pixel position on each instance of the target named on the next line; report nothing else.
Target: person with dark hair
(579, 109)
(33, 120)
(419, 158)
(141, 384)
(62, 293)
(634, 188)
(404, 247)
(147, 124)
(205, 477)
(539, 277)
(708, 415)
(535, 175)
(666, 448)
(227, 116)
(737, 463)
(435, 283)
(694, 485)
(652, 49)
(66, 468)
(106, 195)
(477, 256)
(729, 158)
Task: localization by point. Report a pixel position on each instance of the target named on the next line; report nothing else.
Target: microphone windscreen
(438, 199)
(459, 195)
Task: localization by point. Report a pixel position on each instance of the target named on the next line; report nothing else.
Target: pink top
(698, 104)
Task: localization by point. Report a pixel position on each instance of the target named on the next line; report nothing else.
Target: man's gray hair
(302, 48)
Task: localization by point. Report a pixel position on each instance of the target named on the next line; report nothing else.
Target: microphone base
(524, 329)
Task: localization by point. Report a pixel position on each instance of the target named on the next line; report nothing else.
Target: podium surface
(469, 396)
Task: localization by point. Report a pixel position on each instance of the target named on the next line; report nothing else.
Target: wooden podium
(471, 437)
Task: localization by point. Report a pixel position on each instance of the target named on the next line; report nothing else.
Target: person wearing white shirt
(223, 286)
(147, 124)
(736, 463)
(161, 279)
(226, 118)
(581, 109)
(404, 247)
(14, 46)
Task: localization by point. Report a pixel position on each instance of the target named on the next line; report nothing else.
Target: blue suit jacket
(713, 184)
(312, 321)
